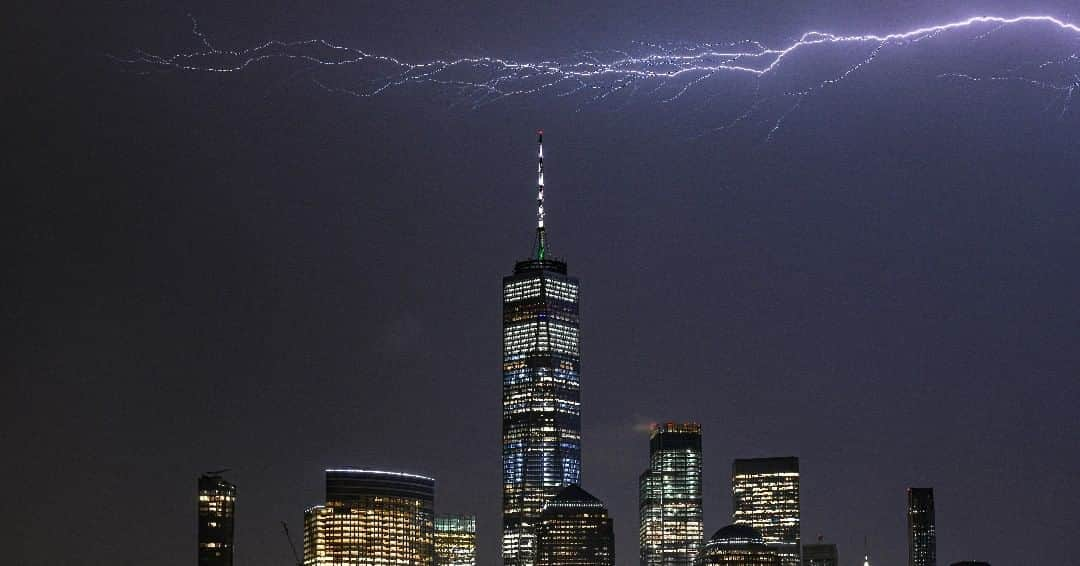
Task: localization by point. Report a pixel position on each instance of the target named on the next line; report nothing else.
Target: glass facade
(217, 512)
(765, 495)
(372, 518)
(541, 441)
(922, 538)
(672, 525)
(575, 530)
(737, 545)
(455, 540)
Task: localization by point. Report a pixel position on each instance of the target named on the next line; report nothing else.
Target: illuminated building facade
(737, 545)
(820, 554)
(765, 494)
(575, 530)
(372, 518)
(455, 540)
(541, 440)
(672, 525)
(217, 513)
(922, 537)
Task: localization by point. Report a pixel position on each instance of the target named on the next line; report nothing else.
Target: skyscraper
(922, 538)
(217, 512)
(541, 441)
(371, 518)
(672, 527)
(575, 530)
(455, 540)
(765, 493)
(820, 554)
(737, 545)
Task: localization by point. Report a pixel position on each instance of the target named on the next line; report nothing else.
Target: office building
(372, 518)
(737, 545)
(922, 538)
(671, 528)
(217, 515)
(575, 530)
(765, 494)
(820, 554)
(455, 540)
(541, 436)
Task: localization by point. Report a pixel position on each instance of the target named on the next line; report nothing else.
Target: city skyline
(259, 270)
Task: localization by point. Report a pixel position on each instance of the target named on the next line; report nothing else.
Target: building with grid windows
(217, 513)
(372, 518)
(765, 495)
(922, 538)
(455, 540)
(737, 545)
(672, 528)
(541, 427)
(575, 530)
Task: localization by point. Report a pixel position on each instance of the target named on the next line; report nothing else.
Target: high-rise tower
(922, 538)
(765, 493)
(672, 526)
(217, 512)
(541, 438)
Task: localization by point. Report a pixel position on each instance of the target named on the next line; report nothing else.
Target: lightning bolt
(666, 72)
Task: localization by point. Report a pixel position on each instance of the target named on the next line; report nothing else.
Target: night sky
(244, 271)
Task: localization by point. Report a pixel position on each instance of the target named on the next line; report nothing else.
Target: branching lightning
(665, 73)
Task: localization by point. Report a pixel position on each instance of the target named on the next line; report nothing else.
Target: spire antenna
(541, 237)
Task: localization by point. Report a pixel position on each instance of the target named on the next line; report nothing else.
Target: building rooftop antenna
(541, 237)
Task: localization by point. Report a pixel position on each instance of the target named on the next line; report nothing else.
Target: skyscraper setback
(922, 538)
(765, 495)
(672, 526)
(541, 440)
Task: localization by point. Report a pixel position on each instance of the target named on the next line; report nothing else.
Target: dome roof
(737, 534)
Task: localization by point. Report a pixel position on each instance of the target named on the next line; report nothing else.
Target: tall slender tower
(922, 538)
(672, 526)
(541, 440)
(217, 512)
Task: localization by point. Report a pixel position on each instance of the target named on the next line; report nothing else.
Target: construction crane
(296, 557)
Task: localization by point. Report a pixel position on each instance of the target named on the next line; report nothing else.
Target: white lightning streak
(601, 75)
